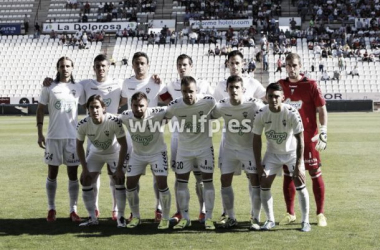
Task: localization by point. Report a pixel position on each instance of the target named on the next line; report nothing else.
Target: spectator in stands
(223, 51)
(84, 39)
(125, 32)
(151, 39)
(119, 33)
(355, 71)
(337, 75)
(341, 63)
(321, 64)
(325, 76)
(211, 52)
(251, 66)
(279, 65)
(87, 8)
(109, 17)
(37, 30)
(217, 51)
(53, 34)
(265, 60)
(84, 18)
(193, 37)
(100, 7)
(99, 37)
(26, 23)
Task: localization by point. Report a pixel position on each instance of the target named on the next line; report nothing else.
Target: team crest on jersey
(245, 114)
(107, 133)
(109, 89)
(73, 92)
(107, 101)
(284, 123)
(201, 113)
(147, 90)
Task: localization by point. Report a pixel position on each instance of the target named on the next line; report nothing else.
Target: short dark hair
(98, 98)
(138, 96)
(186, 80)
(183, 57)
(233, 79)
(293, 56)
(100, 58)
(140, 54)
(235, 53)
(276, 86)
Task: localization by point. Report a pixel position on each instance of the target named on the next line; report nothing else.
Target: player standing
(142, 82)
(108, 145)
(238, 113)
(62, 99)
(304, 94)
(283, 129)
(144, 126)
(185, 68)
(194, 148)
(252, 89)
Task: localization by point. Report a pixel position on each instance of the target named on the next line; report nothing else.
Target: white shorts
(61, 151)
(232, 161)
(203, 159)
(95, 162)
(273, 163)
(158, 164)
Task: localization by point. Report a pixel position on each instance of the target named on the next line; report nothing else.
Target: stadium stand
(15, 11)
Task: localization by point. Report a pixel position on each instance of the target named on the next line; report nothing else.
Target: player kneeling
(283, 129)
(108, 145)
(148, 147)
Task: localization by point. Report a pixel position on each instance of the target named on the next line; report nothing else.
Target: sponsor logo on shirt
(294, 104)
(145, 140)
(94, 88)
(102, 145)
(278, 137)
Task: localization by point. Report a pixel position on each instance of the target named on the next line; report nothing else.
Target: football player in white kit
(283, 130)
(238, 112)
(62, 99)
(110, 90)
(252, 89)
(108, 145)
(145, 128)
(141, 81)
(184, 68)
(194, 148)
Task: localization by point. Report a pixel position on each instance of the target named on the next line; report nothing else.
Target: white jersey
(238, 120)
(194, 132)
(146, 133)
(110, 90)
(253, 89)
(147, 86)
(102, 136)
(62, 100)
(280, 128)
(174, 88)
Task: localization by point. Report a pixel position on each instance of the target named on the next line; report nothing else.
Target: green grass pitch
(351, 170)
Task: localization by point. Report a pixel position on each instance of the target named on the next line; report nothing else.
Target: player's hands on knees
(119, 176)
(299, 175)
(41, 141)
(261, 173)
(47, 82)
(156, 78)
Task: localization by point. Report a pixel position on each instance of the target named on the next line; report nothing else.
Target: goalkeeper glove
(321, 138)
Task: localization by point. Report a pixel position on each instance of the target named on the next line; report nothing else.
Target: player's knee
(72, 172)
(226, 180)
(315, 172)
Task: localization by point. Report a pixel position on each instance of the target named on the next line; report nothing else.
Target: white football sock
(165, 200)
(51, 189)
(89, 200)
(303, 199)
(199, 191)
(267, 201)
(209, 197)
(121, 198)
(183, 196)
(156, 194)
(228, 201)
(255, 202)
(176, 196)
(73, 194)
(96, 187)
(113, 193)
(134, 202)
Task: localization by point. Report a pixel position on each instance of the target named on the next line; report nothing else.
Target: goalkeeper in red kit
(304, 94)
